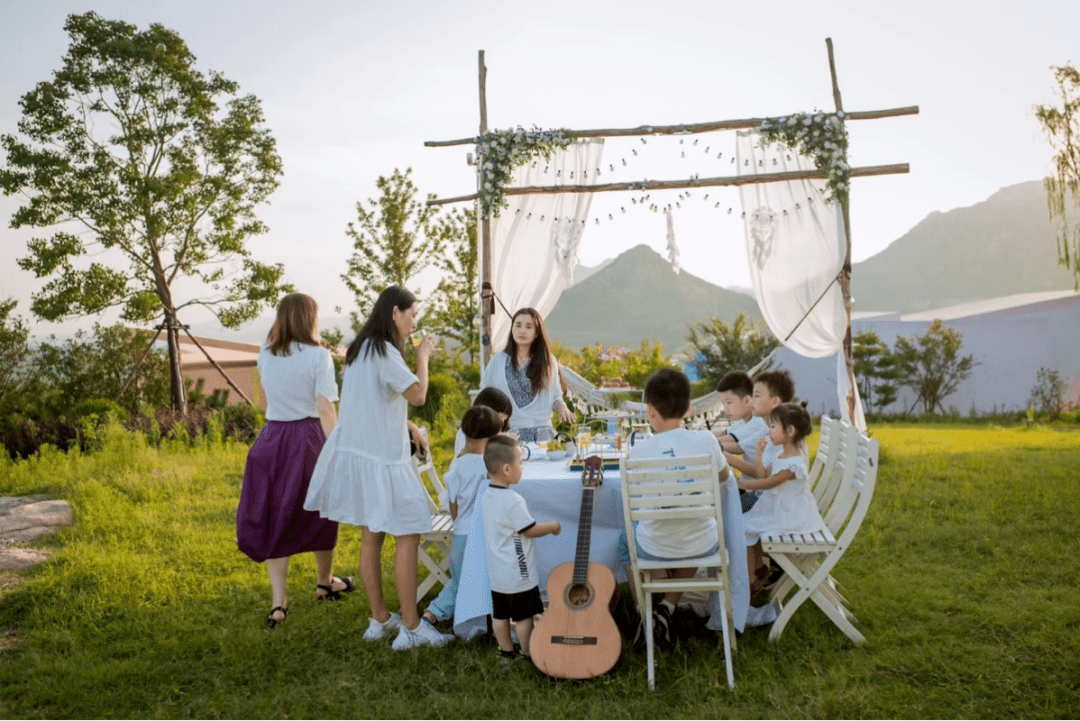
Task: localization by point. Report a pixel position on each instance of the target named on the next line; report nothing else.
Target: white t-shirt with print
(467, 475)
(294, 382)
(748, 433)
(511, 558)
(685, 537)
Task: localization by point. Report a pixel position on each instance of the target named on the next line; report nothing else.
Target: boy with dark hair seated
(667, 399)
(736, 391)
(771, 388)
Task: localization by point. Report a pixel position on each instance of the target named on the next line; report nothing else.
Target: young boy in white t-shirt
(508, 532)
(667, 399)
(771, 388)
(736, 391)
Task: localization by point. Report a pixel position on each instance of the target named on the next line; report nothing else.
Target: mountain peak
(637, 297)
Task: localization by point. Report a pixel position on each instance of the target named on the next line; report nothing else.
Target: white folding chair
(808, 559)
(442, 526)
(675, 489)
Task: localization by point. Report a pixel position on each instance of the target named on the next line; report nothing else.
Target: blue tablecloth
(553, 492)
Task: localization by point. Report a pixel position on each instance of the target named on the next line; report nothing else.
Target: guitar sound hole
(579, 595)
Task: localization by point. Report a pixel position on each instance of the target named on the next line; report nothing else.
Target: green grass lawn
(963, 579)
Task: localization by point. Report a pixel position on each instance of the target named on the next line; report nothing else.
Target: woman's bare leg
(278, 570)
(371, 573)
(405, 577)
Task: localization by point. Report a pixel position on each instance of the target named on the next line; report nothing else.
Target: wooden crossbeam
(677, 184)
(692, 128)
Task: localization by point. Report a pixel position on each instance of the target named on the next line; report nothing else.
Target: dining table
(554, 492)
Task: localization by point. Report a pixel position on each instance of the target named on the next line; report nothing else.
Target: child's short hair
(480, 422)
(499, 452)
(737, 382)
(497, 401)
(668, 391)
(779, 384)
(793, 415)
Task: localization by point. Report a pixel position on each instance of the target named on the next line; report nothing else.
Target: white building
(1010, 337)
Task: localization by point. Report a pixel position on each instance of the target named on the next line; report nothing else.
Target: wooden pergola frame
(487, 308)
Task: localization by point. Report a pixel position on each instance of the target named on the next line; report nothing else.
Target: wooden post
(487, 301)
(845, 272)
(218, 367)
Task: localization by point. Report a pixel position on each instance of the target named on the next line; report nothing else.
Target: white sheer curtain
(796, 245)
(534, 242)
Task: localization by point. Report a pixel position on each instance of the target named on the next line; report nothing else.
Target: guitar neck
(584, 536)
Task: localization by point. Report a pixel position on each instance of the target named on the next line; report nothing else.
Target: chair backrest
(849, 507)
(825, 447)
(671, 488)
(429, 477)
(843, 446)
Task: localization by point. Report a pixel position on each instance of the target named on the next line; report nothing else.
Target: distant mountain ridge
(1001, 246)
(636, 297)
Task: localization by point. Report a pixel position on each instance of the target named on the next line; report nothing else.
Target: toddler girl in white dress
(786, 504)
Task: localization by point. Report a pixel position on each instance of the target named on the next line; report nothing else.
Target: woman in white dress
(365, 476)
(528, 373)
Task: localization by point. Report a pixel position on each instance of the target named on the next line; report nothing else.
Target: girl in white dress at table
(786, 504)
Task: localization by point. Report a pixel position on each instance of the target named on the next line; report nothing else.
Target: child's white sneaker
(376, 630)
(423, 635)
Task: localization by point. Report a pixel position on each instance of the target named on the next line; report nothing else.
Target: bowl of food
(556, 450)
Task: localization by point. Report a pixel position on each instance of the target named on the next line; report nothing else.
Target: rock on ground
(24, 518)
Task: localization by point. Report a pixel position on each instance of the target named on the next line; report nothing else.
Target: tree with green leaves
(931, 365)
(95, 365)
(15, 369)
(147, 172)
(1062, 128)
(876, 370)
(1048, 393)
(393, 241)
(455, 304)
(718, 347)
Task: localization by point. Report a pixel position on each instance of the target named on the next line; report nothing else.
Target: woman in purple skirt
(297, 376)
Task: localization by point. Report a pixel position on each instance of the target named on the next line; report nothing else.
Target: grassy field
(963, 579)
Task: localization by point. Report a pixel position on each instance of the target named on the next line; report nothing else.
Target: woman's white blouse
(294, 382)
(535, 414)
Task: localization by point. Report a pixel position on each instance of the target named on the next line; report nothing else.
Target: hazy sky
(351, 90)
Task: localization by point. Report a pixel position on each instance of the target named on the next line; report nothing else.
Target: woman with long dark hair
(527, 372)
(365, 475)
(297, 376)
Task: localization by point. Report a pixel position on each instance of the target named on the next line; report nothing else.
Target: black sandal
(271, 622)
(331, 594)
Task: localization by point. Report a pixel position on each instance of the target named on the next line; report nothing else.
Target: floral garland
(823, 137)
(501, 151)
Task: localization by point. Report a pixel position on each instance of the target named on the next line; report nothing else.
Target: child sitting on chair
(464, 481)
(667, 399)
(511, 559)
(770, 389)
(736, 391)
(786, 504)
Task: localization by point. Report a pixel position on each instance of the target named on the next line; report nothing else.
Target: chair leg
(729, 637)
(646, 616)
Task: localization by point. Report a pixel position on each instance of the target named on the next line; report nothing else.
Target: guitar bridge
(574, 640)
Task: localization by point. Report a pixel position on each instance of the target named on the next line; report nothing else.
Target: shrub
(242, 422)
(440, 389)
(22, 436)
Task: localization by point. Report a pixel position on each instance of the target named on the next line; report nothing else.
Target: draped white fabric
(793, 242)
(534, 242)
(796, 245)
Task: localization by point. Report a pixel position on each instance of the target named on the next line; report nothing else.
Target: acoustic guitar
(577, 636)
